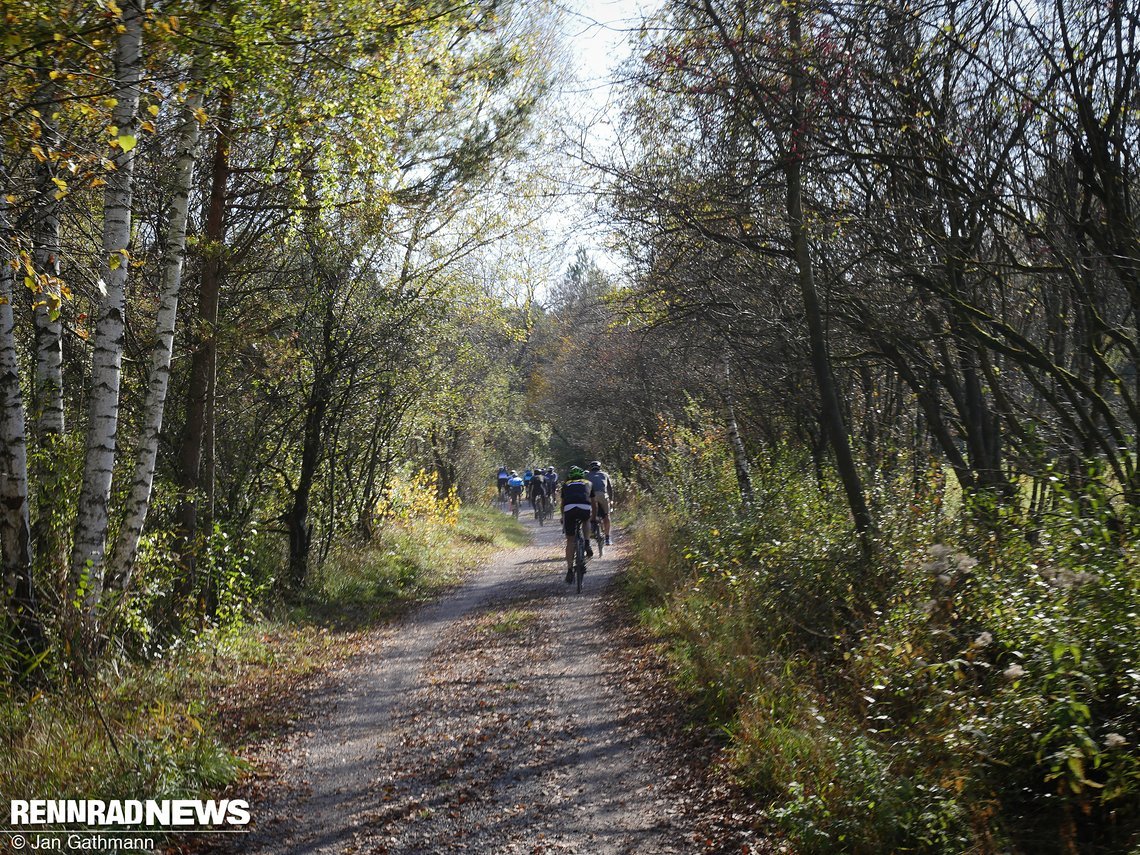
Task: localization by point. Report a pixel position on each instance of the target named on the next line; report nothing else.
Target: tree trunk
(47, 387)
(739, 456)
(122, 559)
(316, 407)
(300, 532)
(15, 519)
(103, 421)
(47, 378)
(205, 343)
(820, 359)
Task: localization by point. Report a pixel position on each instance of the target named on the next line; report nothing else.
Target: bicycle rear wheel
(580, 557)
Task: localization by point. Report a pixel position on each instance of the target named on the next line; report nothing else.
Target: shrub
(975, 687)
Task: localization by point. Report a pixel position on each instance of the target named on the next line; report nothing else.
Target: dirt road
(499, 719)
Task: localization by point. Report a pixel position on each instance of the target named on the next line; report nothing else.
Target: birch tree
(15, 521)
(122, 558)
(103, 411)
(48, 388)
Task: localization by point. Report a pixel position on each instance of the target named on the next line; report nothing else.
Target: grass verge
(175, 726)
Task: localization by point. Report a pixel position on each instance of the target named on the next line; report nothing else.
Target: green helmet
(576, 472)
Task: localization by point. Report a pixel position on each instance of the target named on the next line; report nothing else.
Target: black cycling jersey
(577, 493)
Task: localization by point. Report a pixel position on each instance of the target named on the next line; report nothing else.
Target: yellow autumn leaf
(127, 142)
(152, 109)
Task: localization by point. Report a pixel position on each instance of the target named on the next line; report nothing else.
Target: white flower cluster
(1013, 672)
(946, 565)
(1065, 579)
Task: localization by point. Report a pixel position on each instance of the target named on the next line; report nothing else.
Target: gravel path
(499, 719)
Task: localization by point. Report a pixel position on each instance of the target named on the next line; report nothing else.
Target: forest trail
(499, 718)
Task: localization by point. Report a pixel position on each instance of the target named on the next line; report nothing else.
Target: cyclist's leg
(604, 517)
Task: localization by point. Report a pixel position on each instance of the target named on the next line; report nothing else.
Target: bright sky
(598, 31)
(598, 34)
(594, 40)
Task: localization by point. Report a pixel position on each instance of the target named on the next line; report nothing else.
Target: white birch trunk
(103, 413)
(121, 564)
(15, 517)
(47, 393)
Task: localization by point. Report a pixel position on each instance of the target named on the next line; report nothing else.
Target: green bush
(974, 688)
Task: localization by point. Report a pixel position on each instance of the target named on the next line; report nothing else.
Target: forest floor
(511, 715)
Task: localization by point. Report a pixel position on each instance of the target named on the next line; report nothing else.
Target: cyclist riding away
(604, 490)
(578, 508)
(504, 475)
(515, 488)
(536, 488)
(551, 483)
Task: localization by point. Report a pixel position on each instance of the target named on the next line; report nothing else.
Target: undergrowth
(974, 688)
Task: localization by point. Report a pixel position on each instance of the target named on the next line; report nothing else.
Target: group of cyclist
(535, 484)
(586, 496)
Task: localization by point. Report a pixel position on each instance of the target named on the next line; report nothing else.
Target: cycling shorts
(603, 508)
(571, 518)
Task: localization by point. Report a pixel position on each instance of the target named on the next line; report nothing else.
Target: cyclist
(515, 488)
(578, 507)
(551, 483)
(504, 475)
(604, 489)
(535, 489)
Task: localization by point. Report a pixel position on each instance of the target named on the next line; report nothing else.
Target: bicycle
(579, 555)
(515, 506)
(599, 535)
(541, 509)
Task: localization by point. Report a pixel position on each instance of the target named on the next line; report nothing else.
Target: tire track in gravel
(488, 721)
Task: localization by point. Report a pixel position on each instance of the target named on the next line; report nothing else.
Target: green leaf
(127, 142)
